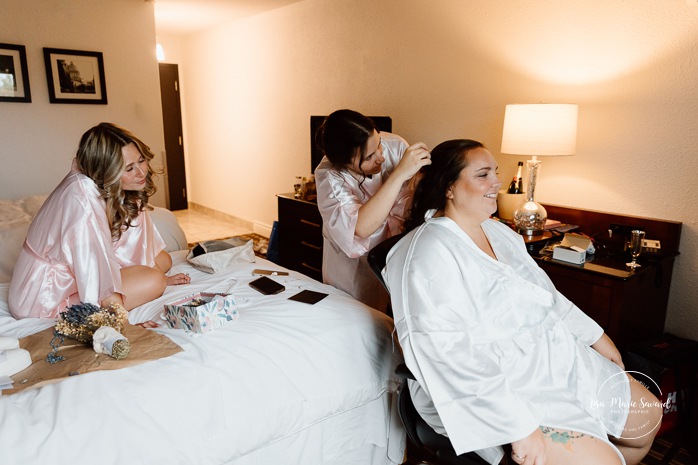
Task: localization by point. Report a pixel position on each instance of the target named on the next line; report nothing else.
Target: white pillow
(170, 230)
(11, 240)
(221, 256)
(15, 218)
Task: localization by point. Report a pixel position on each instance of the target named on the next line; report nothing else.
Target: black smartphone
(267, 286)
(308, 297)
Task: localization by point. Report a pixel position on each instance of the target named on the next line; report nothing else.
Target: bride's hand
(607, 348)
(178, 279)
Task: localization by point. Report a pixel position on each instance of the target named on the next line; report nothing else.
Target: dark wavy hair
(100, 157)
(448, 159)
(341, 134)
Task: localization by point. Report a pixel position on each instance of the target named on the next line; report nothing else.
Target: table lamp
(537, 130)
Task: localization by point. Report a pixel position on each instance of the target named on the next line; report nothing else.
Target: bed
(286, 383)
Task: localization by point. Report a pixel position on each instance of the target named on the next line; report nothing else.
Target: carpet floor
(666, 451)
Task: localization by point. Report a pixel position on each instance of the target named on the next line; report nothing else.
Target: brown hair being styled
(342, 134)
(100, 157)
(448, 159)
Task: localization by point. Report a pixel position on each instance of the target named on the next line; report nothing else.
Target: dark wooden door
(175, 174)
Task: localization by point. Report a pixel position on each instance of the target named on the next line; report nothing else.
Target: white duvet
(282, 367)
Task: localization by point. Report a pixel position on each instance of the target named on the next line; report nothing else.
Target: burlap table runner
(146, 345)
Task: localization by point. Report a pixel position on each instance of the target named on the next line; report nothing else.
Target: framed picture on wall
(75, 76)
(14, 74)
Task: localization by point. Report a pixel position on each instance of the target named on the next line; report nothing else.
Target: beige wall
(446, 69)
(39, 139)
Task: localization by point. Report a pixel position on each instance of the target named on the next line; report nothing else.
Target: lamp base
(530, 218)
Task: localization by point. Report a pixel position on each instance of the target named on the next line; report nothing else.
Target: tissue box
(570, 254)
(578, 240)
(201, 312)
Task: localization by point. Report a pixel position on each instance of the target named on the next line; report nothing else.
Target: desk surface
(610, 265)
(610, 262)
(610, 268)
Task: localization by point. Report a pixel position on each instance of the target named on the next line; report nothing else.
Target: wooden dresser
(630, 306)
(300, 236)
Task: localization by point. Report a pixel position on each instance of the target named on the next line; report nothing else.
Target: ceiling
(187, 16)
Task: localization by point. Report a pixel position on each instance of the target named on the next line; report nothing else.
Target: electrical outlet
(651, 246)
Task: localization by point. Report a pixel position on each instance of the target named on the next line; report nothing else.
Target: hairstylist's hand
(413, 159)
(607, 348)
(530, 450)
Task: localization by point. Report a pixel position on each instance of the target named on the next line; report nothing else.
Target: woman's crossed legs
(563, 447)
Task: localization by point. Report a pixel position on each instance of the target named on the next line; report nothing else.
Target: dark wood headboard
(593, 222)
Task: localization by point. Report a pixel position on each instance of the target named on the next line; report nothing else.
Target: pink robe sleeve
(90, 251)
(139, 244)
(341, 195)
(339, 206)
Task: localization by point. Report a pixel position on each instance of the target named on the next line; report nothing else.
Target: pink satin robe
(69, 255)
(340, 195)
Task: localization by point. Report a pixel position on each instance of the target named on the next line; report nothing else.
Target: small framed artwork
(75, 76)
(14, 74)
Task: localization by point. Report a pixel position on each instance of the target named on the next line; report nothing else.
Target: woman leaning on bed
(92, 240)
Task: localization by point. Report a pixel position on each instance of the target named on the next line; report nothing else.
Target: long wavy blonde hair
(100, 157)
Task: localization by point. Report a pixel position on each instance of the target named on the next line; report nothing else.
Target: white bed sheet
(280, 374)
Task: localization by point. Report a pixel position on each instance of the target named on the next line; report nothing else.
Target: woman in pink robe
(93, 240)
(364, 186)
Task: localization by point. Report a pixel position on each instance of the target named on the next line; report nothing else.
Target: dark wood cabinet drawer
(300, 236)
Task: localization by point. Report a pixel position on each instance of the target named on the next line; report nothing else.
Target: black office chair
(429, 446)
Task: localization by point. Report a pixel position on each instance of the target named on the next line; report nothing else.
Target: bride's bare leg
(642, 425)
(571, 448)
(141, 284)
(163, 261)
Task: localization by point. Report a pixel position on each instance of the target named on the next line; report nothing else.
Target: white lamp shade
(540, 129)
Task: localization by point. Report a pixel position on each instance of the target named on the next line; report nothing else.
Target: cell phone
(267, 286)
(269, 272)
(308, 297)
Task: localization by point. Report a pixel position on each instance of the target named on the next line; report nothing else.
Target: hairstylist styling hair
(92, 240)
(499, 355)
(364, 187)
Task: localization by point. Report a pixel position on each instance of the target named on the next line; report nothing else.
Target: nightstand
(300, 236)
(629, 306)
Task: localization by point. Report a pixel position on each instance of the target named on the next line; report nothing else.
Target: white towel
(13, 361)
(7, 343)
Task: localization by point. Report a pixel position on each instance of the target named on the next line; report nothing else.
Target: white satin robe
(69, 256)
(495, 349)
(340, 195)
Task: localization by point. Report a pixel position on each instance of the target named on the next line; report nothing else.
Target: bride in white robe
(500, 356)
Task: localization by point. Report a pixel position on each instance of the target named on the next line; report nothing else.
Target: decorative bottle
(516, 185)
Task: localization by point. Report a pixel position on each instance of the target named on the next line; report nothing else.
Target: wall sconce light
(537, 130)
(159, 52)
